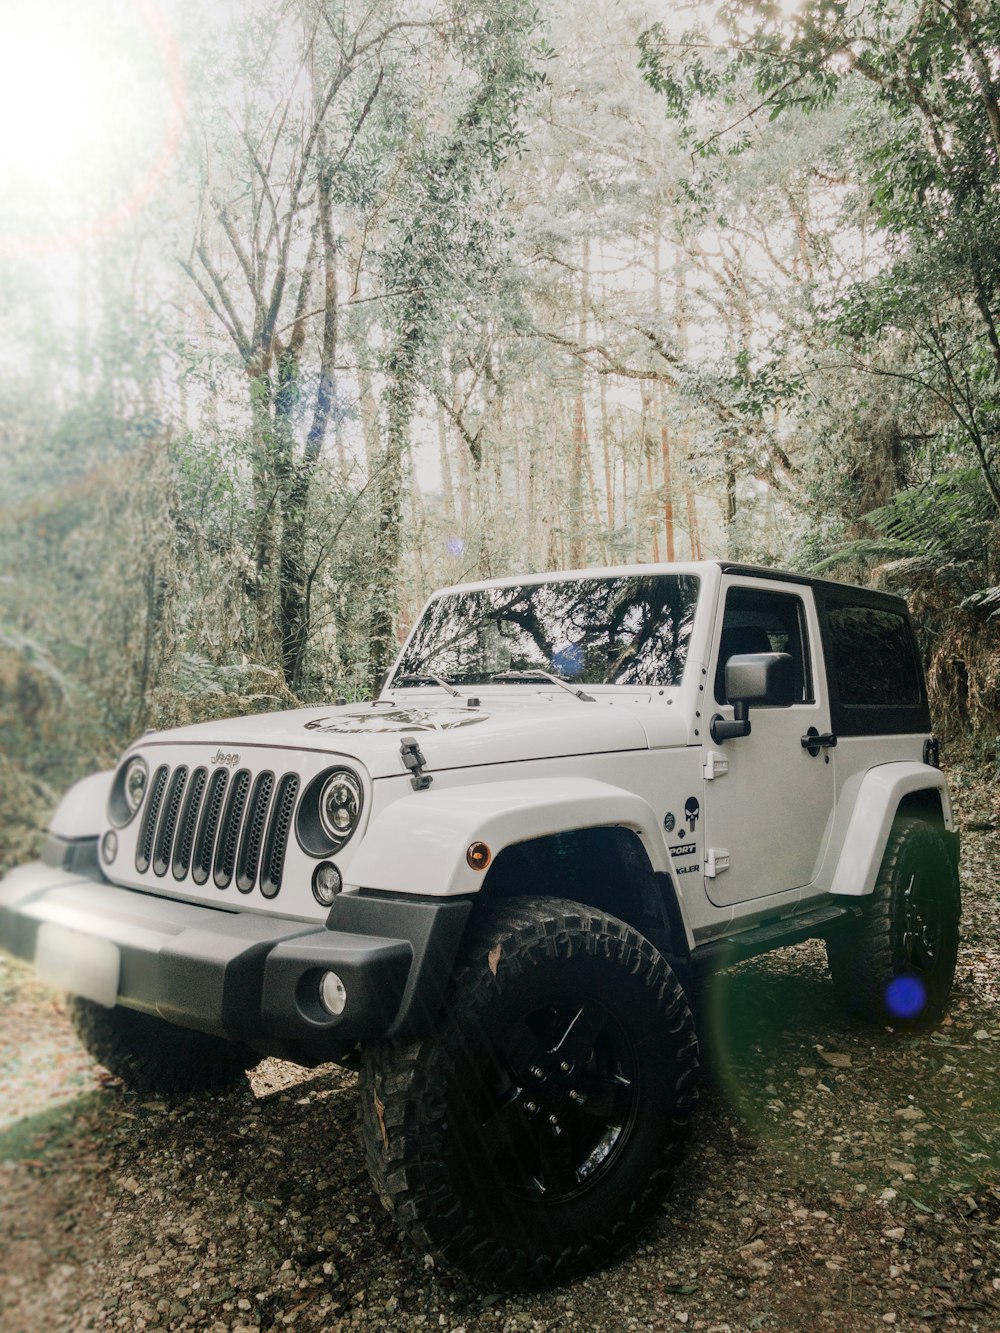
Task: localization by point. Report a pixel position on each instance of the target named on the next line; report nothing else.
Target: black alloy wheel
(923, 925)
(896, 965)
(531, 1135)
(554, 1097)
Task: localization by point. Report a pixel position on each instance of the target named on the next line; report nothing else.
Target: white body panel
(437, 829)
(512, 723)
(872, 801)
(773, 810)
(81, 812)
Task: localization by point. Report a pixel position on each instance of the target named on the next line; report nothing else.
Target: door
(767, 814)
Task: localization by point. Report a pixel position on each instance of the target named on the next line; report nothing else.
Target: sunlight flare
(92, 105)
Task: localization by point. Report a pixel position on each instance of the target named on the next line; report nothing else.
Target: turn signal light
(478, 856)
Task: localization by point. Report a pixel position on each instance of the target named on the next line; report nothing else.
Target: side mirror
(763, 679)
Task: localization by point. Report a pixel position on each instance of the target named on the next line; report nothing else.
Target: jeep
(496, 889)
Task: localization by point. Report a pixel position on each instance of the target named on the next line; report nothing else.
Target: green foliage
(939, 544)
(626, 285)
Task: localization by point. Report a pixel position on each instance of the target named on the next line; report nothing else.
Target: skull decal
(691, 812)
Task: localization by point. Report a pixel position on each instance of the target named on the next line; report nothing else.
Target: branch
(472, 441)
(238, 332)
(237, 246)
(210, 301)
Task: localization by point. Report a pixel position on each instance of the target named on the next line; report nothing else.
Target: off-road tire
(151, 1055)
(472, 1191)
(896, 965)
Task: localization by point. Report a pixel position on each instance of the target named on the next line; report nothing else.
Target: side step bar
(809, 925)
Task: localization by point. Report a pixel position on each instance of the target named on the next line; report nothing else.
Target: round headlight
(340, 805)
(127, 791)
(134, 783)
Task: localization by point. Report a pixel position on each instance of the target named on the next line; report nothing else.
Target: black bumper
(253, 977)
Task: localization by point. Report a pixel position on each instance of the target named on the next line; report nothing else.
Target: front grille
(221, 825)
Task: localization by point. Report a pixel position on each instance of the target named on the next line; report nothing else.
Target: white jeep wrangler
(493, 888)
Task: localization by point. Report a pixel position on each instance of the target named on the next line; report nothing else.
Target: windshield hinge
(716, 861)
(716, 765)
(413, 759)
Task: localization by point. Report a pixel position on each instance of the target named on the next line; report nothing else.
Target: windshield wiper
(537, 674)
(428, 678)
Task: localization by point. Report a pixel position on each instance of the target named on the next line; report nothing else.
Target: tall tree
(441, 247)
(282, 179)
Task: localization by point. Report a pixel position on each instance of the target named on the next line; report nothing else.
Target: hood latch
(413, 759)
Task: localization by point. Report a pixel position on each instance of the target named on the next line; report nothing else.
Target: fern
(937, 533)
(863, 551)
(984, 597)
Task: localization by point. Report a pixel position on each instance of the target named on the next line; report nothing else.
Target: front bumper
(250, 977)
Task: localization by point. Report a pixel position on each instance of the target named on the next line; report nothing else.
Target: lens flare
(905, 997)
(92, 99)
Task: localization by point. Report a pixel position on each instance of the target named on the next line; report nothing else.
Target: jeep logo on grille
(220, 757)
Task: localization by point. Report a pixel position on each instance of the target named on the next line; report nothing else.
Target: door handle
(814, 741)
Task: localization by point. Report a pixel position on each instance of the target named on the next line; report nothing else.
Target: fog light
(326, 883)
(332, 994)
(478, 856)
(109, 846)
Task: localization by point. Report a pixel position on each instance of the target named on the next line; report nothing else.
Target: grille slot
(202, 867)
(225, 853)
(168, 820)
(144, 848)
(189, 819)
(277, 835)
(253, 832)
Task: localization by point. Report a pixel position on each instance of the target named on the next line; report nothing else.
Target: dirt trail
(839, 1179)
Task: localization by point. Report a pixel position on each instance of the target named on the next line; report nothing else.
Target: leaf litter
(839, 1178)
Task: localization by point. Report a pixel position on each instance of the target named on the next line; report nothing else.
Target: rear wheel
(151, 1055)
(532, 1134)
(896, 965)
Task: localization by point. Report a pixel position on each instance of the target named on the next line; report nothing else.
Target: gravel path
(839, 1179)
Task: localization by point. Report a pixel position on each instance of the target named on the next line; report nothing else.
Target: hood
(501, 731)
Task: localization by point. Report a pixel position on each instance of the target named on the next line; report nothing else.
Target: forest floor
(839, 1178)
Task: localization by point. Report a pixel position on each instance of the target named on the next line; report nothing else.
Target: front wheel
(896, 965)
(531, 1135)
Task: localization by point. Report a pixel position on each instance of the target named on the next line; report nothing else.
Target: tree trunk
(382, 644)
(647, 453)
(447, 486)
(694, 535)
(265, 491)
(668, 498)
(668, 485)
(294, 625)
(576, 524)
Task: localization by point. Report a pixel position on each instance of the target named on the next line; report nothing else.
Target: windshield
(631, 630)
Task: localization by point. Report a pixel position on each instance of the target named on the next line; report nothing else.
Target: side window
(756, 621)
(873, 657)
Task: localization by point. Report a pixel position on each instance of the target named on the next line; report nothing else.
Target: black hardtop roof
(852, 590)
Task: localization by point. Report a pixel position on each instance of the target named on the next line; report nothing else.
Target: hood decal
(397, 719)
